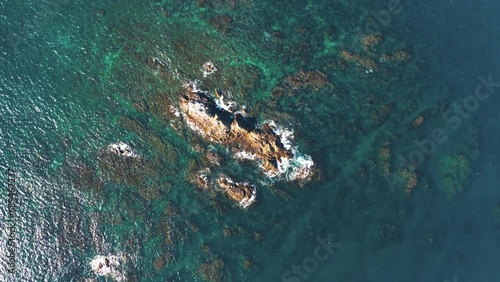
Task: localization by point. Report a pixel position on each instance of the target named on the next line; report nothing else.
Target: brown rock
(213, 158)
(224, 122)
(314, 79)
(358, 60)
(201, 179)
(371, 40)
(201, 115)
(396, 57)
(418, 121)
(243, 193)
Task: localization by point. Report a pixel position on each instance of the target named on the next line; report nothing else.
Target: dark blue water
(458, 42)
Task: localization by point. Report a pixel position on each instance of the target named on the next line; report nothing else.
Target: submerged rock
(314, 79)
(243, 193)
(359, 60)
(223, 122)
(201, 179)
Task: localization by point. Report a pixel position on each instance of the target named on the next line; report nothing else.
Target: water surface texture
(395, 103)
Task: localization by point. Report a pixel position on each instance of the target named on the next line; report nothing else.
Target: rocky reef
(293, 84)
(244, 193)
(223, 122)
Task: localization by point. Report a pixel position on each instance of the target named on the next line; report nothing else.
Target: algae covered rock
(243, 193)
(455, 171)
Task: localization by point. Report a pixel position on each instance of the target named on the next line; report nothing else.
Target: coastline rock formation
(224, 123)
(243, 193)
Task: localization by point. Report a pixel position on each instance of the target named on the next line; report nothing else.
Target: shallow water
(78, 76)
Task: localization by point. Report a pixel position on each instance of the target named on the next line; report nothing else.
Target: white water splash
(244, 155)
(110, 266)
(229, 106)
(122, 149)
(208, 68)
(297, 168)
(245, 203)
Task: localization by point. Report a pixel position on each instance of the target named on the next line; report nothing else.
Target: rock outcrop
(243, 193)
(224, 122)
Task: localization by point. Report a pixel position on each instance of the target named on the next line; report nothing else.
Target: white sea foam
(203, 177)
(110, 266)
(208, 68)
(229, 106)
(300, 165)
(122, 149)
(174, 111)
(200, 110)
(194, 127)
(192, 85)
(245, 203)
(244, 155)
(285, 134)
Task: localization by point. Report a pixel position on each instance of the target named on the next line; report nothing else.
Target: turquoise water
(78, 76)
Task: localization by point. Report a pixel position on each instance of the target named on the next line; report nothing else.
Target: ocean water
(388, 202)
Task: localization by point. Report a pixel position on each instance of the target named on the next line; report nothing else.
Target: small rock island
(225, 123)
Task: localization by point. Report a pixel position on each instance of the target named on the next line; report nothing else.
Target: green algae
(342, 127)
(455, 170)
